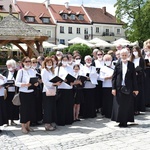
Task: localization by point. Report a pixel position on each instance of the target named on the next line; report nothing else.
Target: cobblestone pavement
(90, 134)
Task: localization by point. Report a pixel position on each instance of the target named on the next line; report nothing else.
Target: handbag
(16, 100)
(51, 92)
(124, 90)
(5, 94)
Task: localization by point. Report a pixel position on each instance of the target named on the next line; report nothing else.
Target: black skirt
(49, 109)
(88, 106)
(64, 107)
(12, 110)
(27, 108)
(3, 111)
(123, 108)
(78, 96)
(107, 102)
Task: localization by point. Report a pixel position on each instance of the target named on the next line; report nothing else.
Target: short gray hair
(11, 62)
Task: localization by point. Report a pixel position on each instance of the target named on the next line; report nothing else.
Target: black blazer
(5, 73)
(130, 77)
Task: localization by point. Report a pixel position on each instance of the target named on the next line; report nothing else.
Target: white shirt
(90, 70)
(124, 71)
(10, 77)
(46, 76)
(63, 71)
(136, 62)
(2, 81)
(23, 76)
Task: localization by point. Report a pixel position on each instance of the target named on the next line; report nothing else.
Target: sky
(92, 3)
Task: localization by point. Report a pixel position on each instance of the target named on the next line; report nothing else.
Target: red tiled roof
(28, 13)
(56, 9)
(98, 16)
(35, 9)
(6, 4)
(44, 15)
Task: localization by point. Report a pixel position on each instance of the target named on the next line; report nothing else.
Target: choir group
(64, 88)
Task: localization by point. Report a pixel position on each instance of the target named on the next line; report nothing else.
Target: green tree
(82, 48)
(132, 12)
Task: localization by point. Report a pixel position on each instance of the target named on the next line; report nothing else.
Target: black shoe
(122, 125)
(78, 120)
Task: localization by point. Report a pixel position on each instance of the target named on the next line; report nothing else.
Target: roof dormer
(45, 18)
(29, 16)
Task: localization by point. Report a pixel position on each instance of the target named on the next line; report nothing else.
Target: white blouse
(63, 71)
(46, 76)
(10, 77)
(92, 72)
(23, 76)
(124, 71)
(136, 62)
(2, 81)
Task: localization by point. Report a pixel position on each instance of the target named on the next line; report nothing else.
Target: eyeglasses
(34, 62)
(99, 54)
(27, 61)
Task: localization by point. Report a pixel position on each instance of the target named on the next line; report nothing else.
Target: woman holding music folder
(78, 90)
(49, 102)
(105, 76)
(65, 93)
(88, 107)
(10, 73)
(26, 80)
(98, 63)
(139, 63)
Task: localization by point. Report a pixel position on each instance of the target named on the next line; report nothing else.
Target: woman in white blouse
(3, 112)
(88, 107)
(65, 94)
(10, 73)
(27, 97)
(49, 102)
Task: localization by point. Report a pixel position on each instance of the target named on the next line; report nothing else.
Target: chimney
(104, 10)
(47, 3)
(10, 9)
(14, 2)
(67, 5)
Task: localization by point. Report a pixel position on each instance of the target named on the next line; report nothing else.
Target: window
(107, 32)
(61, 29)
(97, 29)
(49, 33)
(78, 30)
(62, 41)
(30, 19)
(86, 31)
(118, 31)
(81, 17)
(72, 17)
(45, 20)
(70, 30)
(86, 37)
(64, 16)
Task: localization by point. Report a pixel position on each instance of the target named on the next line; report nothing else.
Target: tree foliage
(82, 48)
(135, 12)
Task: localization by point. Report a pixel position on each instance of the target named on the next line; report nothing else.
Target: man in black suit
(124, 86)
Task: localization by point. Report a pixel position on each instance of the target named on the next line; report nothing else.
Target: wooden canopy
(15, 31)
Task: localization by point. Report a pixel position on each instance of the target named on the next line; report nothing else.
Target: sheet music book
(70, 78)
(9, 82)
(33, 80)
(56, 79)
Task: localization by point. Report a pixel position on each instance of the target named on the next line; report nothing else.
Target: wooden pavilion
(15, 31)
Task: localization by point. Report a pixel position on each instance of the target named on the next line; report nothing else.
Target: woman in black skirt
(65, 94)
(10, 74)
(27, 97)
(49, 102)
(139, 63)
(3, 112)
(78, 91)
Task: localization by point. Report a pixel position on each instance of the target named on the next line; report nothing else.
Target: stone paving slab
(90, 134)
